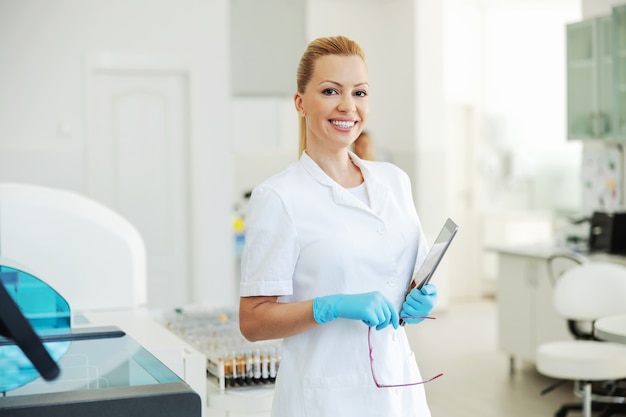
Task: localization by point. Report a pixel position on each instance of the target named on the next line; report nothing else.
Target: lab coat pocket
(412, 371)
(397, 369)
(342, 395)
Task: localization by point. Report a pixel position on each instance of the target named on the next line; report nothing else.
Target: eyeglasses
(371, 351)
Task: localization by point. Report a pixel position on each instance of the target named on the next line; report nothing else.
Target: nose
(347, 103)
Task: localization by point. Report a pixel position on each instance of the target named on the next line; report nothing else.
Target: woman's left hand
(419, 303)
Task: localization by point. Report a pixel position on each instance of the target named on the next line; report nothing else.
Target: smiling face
(335, 102)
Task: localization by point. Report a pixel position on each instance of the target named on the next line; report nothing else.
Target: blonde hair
(334, 45)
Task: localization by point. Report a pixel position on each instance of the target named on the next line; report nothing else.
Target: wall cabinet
(619, 67)
(596, 77)
(590, 108)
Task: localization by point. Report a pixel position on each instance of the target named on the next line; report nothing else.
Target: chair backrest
(592, 290)
(558, 263)
(90, 254)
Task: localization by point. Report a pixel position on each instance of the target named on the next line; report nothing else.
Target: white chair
(90, 254)
(560, 262)
(583, 294)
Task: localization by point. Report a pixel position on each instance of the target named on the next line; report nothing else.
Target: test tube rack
(232, 361)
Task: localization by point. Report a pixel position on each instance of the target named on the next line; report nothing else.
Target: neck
(339, 167)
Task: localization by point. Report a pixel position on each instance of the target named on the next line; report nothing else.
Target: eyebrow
(365, 83)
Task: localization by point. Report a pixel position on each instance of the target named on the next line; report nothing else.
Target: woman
(330, 247)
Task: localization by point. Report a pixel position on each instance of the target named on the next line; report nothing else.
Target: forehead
(339, 68)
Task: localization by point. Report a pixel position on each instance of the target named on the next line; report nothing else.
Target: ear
(297, 101)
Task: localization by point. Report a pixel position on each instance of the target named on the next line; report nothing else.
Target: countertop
(544, 251)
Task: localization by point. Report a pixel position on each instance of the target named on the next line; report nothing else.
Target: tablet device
(424, 272)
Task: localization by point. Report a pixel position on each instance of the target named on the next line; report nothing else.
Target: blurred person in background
(363, 146)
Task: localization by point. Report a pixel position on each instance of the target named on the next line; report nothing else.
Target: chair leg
(586, 398)
(609, 411)
(578, 407)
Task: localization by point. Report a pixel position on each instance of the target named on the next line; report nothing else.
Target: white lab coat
(306, 236)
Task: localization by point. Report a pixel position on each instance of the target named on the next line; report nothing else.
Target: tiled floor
(462, 344)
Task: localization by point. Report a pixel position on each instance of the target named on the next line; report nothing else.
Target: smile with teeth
(342, 123)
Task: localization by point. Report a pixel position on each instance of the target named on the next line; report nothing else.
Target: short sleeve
(271, 247)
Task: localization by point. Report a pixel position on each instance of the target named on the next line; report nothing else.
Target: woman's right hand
(372, 308)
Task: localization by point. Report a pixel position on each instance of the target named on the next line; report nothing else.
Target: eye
(330, 91)
(361, 93)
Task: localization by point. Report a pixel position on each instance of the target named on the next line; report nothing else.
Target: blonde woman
(331, 242)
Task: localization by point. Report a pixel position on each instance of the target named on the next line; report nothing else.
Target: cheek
(315, 107)
(364, 110)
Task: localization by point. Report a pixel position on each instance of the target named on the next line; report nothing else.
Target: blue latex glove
(419, 303)
(372, 308)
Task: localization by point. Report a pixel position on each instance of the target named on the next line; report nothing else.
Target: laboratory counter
(189, 363)
(543, 252)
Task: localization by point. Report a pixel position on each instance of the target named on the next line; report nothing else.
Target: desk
(611, 328)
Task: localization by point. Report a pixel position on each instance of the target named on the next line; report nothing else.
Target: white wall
(432, 95)
(42, 134)
(403, 43)
(595, 8)
(386, 32)
(505, 114)
(42, 109)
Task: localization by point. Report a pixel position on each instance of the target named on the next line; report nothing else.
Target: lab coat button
(394, 336)
(381, 231)
(392, 282)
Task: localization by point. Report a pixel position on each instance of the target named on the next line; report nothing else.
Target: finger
(383, 317)
(395, 318)
(413, 320)
(384, 324)
(415, 294)
(412, 309)
(387, 314)
(391, 314)
(415, 302)
(429, 289)
(407, 310)
(370, 318)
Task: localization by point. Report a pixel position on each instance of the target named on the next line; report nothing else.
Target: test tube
(228, 370)
(265, 365)
(249, 367)
(241, 367)
(273, 363)
(256, 361)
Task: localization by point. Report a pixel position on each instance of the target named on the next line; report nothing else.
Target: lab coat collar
(378, 191)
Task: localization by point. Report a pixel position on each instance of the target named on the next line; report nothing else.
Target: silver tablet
(424, 272)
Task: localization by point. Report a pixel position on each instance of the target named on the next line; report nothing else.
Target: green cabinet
(619, 68)
(590, 96)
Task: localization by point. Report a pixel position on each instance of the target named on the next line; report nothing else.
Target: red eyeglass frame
(371, 354)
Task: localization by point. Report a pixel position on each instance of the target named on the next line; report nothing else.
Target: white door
(138, 138)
